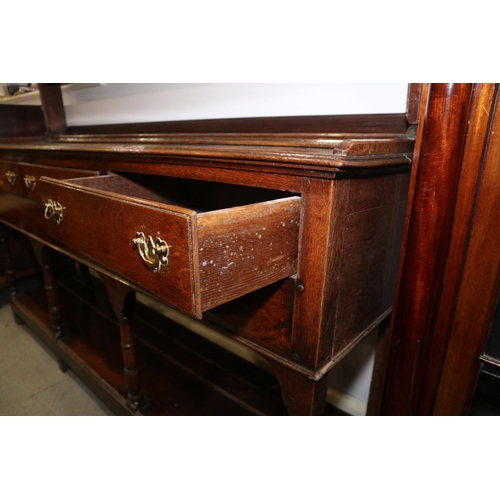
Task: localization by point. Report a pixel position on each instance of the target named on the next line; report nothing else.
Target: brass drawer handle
(11, 176)
(54, 210)
(154, 256)
(30, 181)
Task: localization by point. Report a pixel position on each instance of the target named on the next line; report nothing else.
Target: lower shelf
(181, 373)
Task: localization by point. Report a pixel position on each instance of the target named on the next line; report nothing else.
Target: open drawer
(194, 244)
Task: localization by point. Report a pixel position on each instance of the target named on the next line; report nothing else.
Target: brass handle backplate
(11, 176)
(30, 182)
(54, 210)
(153, 254)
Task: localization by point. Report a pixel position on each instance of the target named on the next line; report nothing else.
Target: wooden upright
(449, 272)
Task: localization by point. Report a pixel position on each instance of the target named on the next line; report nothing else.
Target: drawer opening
(199, 196)
(195, 244)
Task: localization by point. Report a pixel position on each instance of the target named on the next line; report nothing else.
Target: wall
(123, 103)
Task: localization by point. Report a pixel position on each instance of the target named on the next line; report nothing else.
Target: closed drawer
(9, 177)
(30, 174)
(178, 239)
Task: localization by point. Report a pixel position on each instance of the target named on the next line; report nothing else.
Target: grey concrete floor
(31, 382)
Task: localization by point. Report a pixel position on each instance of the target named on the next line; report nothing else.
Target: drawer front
(194, 260)
(104, 228)
(9, 177)
(30, 174)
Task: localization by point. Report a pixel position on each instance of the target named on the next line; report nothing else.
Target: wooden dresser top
(329, 152)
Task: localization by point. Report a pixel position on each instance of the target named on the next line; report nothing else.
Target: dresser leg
(44, 258)
(301, 395)
(7, 262)
(122, 299)
(10, 274)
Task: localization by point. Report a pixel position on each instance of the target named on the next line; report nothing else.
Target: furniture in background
(448, 283)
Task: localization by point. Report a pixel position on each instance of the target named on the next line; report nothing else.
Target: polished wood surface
(371, 152)
(477, 130)
(449, 273)
(478, 288)
(432, 191)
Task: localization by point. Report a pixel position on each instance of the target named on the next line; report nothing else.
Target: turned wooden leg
(7, 262)
(10, 274)
(44, 258)
(302, 395)
(122, 299)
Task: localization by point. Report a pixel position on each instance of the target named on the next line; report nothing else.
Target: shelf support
(6, 260)
(44, 258)
(53, 108)
(122, 299)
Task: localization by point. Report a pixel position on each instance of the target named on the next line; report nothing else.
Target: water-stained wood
(244, 248)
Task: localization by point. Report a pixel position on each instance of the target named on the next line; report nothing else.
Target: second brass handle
(54, 210)
(30, 182)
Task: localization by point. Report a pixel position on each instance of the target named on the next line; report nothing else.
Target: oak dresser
(286, 242)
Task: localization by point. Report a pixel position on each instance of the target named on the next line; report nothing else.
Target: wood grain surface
(245, 248)
(433, 188)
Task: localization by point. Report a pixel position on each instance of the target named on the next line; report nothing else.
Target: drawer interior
(196, 195)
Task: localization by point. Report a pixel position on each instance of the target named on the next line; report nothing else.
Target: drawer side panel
(245, 248)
